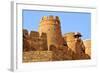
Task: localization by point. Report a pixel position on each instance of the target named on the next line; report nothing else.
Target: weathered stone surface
(76, 46)
(51, 26)
(60, 53)
(48, 43)
(37, 56)
(26, 40)
(87, 44)
(33, 41)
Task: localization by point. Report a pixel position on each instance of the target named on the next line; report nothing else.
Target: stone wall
(60, 53)
(34, 41)
(76, 46)
(37, 56)
(26, 40)
(48, 44)
(87, 44)
(34, 38)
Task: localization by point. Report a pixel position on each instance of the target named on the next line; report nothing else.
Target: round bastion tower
(51, 26)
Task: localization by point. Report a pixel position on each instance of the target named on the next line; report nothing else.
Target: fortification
(51, 26)
(26, 40)
(48, 44)
(87, 44)
(69, 38)
(76, 45)
(34, 41)
(34, 38)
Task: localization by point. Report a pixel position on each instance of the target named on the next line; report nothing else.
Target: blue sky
(70, 21)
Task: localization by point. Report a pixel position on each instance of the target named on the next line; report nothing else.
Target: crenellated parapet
(34, 41)
(51, 20)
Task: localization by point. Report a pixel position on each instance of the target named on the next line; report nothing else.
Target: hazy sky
(70, 21)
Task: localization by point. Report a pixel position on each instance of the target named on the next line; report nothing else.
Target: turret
(51, 26)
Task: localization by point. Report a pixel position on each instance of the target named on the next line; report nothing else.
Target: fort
(48, 43)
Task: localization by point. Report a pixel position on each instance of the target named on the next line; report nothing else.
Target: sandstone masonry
(48, 43)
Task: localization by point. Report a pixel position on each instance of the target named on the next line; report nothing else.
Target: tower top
(50, 18)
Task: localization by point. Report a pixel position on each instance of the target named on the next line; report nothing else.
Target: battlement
(43, 35)
(50, 18)
(34, 34)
